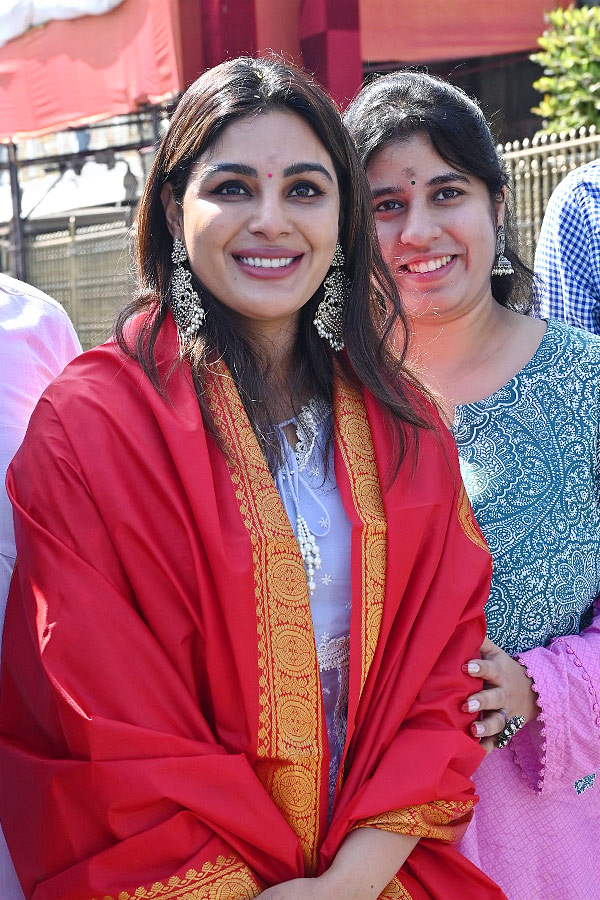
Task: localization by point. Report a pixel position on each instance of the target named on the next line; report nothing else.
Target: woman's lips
(432, 266)
(268, 266)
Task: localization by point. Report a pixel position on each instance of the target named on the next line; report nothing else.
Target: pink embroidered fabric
(536, 827)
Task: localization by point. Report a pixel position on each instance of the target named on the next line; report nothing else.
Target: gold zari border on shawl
(290, 731)
(354, 439)
(440, 819)
(225, 879)
(395, 891)
(467, 520)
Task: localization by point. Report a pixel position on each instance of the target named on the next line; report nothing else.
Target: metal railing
(535, 168)
(88, 269)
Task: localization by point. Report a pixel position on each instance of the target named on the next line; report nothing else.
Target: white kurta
(37, 340)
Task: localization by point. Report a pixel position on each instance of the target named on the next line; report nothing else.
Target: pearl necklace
(307, 430)
(309, 550)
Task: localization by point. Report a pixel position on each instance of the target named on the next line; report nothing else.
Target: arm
(560, 745)
(364, 865)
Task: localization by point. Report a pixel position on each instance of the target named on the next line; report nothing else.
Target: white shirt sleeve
(37, 340)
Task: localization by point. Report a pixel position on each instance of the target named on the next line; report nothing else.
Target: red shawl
(162, 724)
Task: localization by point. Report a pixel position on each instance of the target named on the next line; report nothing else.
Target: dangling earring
(186, 305)
(502, 265)
(329, 318)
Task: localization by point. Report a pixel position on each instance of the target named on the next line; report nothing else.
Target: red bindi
(269, 174)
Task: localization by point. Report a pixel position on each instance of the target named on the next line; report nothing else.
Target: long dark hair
(233, 90)
(397, 106)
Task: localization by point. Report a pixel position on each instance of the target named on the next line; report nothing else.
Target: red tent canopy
(68, 72)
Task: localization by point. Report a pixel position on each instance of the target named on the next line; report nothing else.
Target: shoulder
(33, 306)
(579, 185)
(97, 380)
(574, 338)
(105, 398)
(578, 350)
(33, 324)
(429, 468)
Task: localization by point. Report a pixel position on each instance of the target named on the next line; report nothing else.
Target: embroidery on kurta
(356, 446)
(291, 722)
(584, 783)
(228, 878)
(467, 520)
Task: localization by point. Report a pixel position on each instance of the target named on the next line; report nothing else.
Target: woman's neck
(274, 348)
(465, 357)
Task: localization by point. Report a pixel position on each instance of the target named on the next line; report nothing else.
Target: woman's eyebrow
(380, 192)
(446, 178)
(300, 167)
(234, 168)
(241, 169)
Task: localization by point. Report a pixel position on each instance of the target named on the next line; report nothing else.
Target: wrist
(335, 882)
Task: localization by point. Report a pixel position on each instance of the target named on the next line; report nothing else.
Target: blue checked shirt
(567, 258)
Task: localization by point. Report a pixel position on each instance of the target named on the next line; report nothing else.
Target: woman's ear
(173, 212)
(500, 206)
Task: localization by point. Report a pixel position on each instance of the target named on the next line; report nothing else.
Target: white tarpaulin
(17, 16)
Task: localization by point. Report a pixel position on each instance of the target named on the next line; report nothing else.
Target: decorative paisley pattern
(530, 461)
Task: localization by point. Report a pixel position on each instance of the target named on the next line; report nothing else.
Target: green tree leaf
(569, 55)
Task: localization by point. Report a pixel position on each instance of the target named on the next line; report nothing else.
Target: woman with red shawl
(189, 708)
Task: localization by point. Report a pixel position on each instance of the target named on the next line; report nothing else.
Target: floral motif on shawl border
(226, 879)
(443, 820)
(354, 439)
(395, 891)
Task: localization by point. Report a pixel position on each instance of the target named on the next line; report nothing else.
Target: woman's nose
(270, 216)
(419, 226)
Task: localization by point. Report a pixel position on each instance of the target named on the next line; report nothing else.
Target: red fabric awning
(68, 72)
(330, 42)
(428, 30)
(144, 51)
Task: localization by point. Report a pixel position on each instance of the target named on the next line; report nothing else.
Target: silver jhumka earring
(188, 312)
(329, 318)
(502, 265)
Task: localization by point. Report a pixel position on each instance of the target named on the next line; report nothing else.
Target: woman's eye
(448, 194)
(231, 189)
(388, 206)
(305, 189)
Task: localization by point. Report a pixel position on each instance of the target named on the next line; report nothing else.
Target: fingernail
(470, 668)
(471, 706)
(477, 729)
